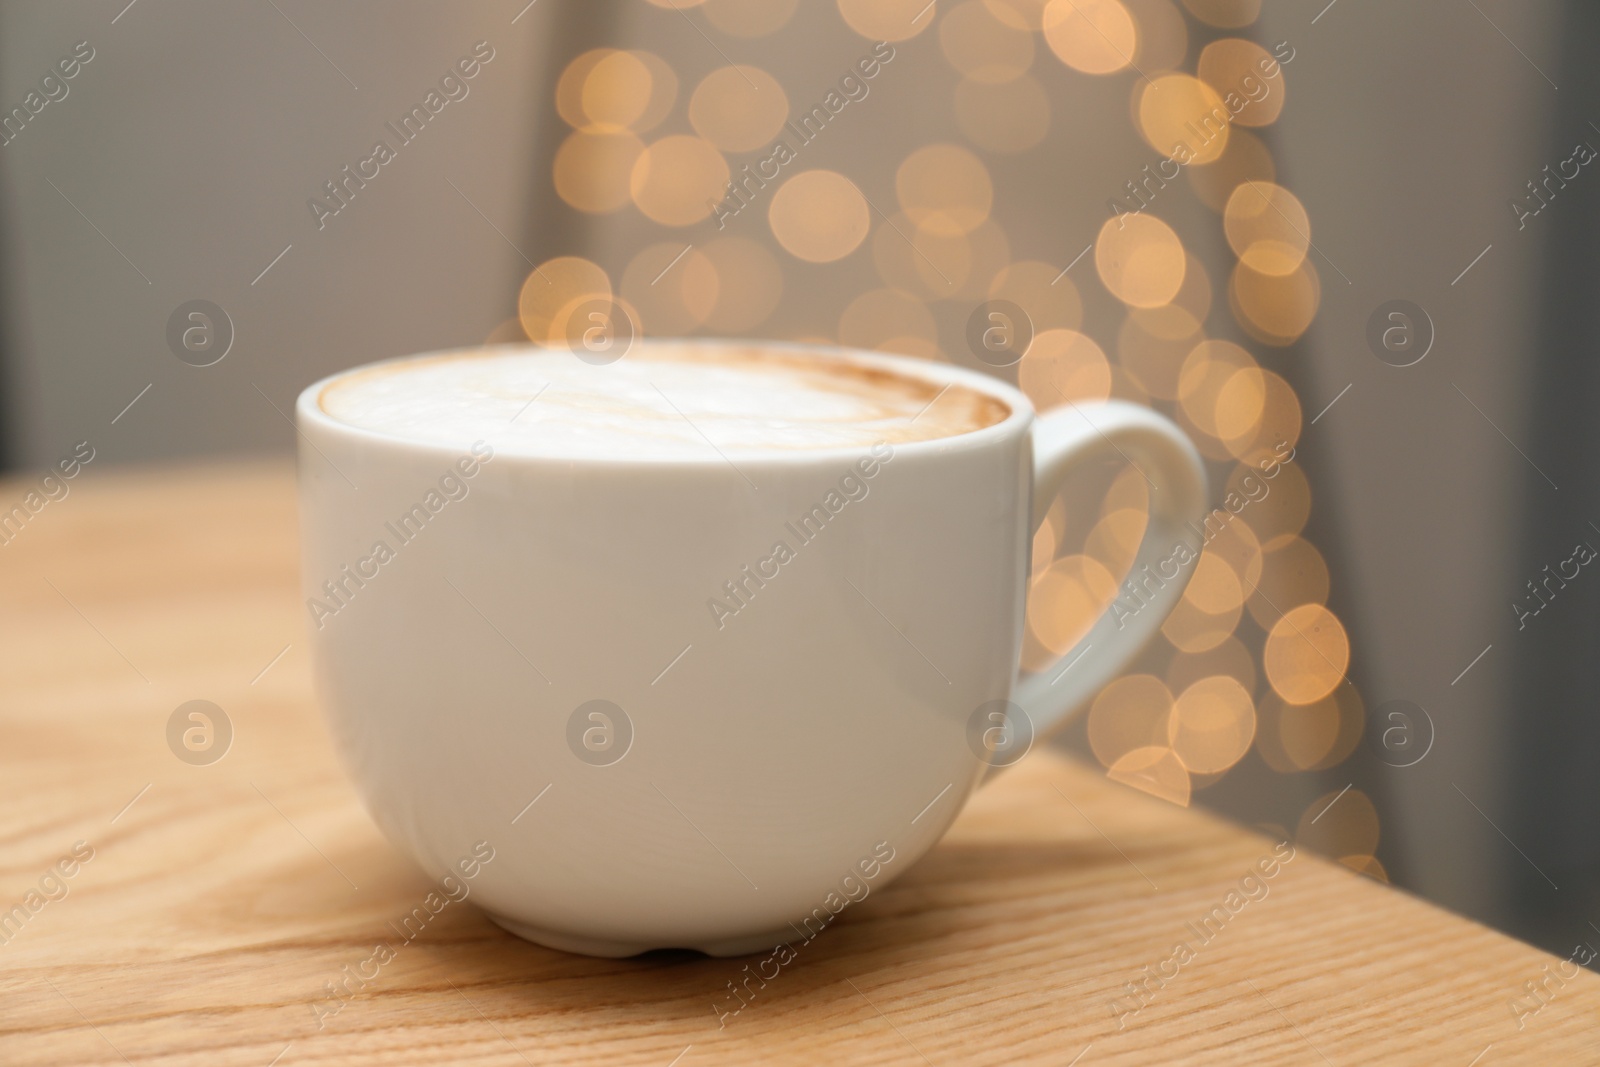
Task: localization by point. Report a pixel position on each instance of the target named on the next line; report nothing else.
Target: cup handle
(1063, 439)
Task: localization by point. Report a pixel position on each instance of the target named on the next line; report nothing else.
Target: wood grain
(217, 906)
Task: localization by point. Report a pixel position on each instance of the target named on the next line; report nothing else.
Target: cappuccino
(673, 400)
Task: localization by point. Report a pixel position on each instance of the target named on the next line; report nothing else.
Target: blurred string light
(677, 180)
(749, 18)
(1234, 64)
(983, 47)
(1225, 14)
(819, 216)
(1141, 260)
(1252, 659)
(739, 108)
(890, 320)
(944, 189)
(1091, 36)
(887, 20)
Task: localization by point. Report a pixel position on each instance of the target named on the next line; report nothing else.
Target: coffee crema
(673, 401)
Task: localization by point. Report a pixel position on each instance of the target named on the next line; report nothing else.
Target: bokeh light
(819, 216)
(1212, 725)
(1241, 402)
(554, 286)
(1277, 513)
(889, 320)
(957, 265)
(1292, 574)
(592, 170)
(1153, 343)
(1230, 657)
(1018, 14)
(1236, 69)
(1236, 544)
(1275, 309)
(606, 90)
(1206, 372)
(982, 47)
(1194, 296)
(738, 109)
(1209, 610)
(1091, 36)
(1063, 367)
(1279, 424)
(569, 87)
(900, 264)
(1225, 14)
(1292, 738)
(888, 20)
(1340, 825)
(1267, 227)
(1067, 599)
(749, 284)
(1114, 541)
(1214, 588)
(1129, 714)
(944, 189)
(616, 92)
(673, 287)
(1306, 654)
(1129, 489)
(1161, 33)
(678, 180)
(1140, 259)
(1043, 291)
(663, 91)
(1183, 118)
(749, 18)
(943, 262)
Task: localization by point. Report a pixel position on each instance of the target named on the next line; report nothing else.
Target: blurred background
(1352, 241)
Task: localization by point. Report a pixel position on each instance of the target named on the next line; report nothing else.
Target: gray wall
(192, 142)
(1411, 127)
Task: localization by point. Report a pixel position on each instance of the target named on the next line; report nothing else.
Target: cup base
(588, 946)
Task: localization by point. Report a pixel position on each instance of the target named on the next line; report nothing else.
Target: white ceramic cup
(748, 768)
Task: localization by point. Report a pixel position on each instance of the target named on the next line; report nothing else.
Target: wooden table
(220, 899)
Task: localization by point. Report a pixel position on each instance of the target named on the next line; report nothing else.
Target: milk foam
(659, 401)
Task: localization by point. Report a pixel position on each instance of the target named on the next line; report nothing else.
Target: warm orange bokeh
(1307, 653)
(983, 47)
(1140, 259)
(819, 216)
(1091, 36)
(1252, 659)
(738, 109)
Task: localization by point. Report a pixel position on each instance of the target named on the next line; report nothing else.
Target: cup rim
(1020, 410)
